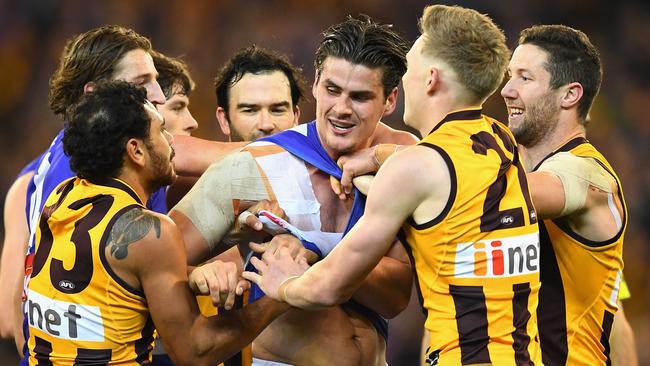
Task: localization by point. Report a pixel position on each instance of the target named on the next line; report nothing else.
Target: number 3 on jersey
(78, 277)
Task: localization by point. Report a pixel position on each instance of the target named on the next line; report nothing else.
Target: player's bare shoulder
(385, 134)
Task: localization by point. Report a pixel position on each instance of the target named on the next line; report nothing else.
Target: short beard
(162, 169)
(540, 121)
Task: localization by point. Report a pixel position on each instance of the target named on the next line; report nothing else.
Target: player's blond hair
(470, 44)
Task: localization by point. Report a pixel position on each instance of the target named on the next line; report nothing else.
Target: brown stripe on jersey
(42, 351)
(471, 320)
(520, 318)
(114, 183)
(94, 357)
(608, 319)
(452, 192)
(551, 312)
(564, 225)
(144, 345)
(564, 148)
(409, 251)
(466, 115)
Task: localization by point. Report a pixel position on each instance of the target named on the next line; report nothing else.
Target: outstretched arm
(334, 279)
(195, 155)
(156, 264)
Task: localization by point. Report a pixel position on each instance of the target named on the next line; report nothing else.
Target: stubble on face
(162, 167)
(540, 121)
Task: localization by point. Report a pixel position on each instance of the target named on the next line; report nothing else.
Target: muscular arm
(150, 255)
(579, 191)
(12, 268)
(387, 288)
(194, 155)
(207, 213)
(334, 279)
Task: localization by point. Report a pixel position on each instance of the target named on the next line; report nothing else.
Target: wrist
(282, 289)
(383, 152)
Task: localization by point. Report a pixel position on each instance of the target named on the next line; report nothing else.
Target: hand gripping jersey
(272, 168)
(477, 263)
(79, 311)
(580, 282)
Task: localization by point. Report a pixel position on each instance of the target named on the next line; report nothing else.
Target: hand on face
(274, 269)
(220, 280)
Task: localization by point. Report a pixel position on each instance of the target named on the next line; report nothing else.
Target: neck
(564, 133)
(435, 111)
(137, 183)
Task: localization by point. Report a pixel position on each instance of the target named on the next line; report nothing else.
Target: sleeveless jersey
(580, 283)
(79, 311)
(477, 263)
(50, 169)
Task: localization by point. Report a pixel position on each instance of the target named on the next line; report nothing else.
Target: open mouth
(514, 112)
(340, 127)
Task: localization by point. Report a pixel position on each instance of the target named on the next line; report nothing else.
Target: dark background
(206, 33)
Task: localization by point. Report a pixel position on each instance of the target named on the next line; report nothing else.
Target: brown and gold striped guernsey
(580, 283)
(80, 312)
(477, 263)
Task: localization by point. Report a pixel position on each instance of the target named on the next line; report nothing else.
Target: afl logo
(66, 285)
(507, 220)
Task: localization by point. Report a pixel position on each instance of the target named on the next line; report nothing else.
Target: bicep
(162, 273)
(390, 202)
(547, 193)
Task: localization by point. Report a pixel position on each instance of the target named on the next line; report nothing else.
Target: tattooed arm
(146, 250)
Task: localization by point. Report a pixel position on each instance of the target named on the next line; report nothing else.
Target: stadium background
(206, 33)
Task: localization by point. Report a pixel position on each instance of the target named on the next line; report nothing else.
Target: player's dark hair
(256, 60)
(172, 72)
(90, 56)
(100, 124)
(571, 58)
(365, 42)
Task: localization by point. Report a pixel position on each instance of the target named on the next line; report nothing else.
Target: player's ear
(296, 116)
(571, 95)
(433, 80)
(89, 87)
(223, 121)
(314, 86)
(391, 102)
(135, 152)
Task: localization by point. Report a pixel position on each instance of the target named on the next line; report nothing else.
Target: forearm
(194, 155)
(221, 336)
(387, 288)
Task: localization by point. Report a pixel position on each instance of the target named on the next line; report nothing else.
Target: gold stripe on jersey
(79, 311)
(478, 262)
(580, 283)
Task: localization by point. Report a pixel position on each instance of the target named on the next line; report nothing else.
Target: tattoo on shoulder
(129, 228)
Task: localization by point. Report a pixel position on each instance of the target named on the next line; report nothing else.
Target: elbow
(327, 296)
(395, 307)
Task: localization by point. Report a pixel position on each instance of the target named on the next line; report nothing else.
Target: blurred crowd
(205, 33)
